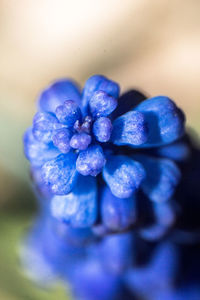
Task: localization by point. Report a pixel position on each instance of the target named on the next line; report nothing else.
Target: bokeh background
(153, 45)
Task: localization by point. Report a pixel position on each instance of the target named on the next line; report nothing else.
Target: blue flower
(98, 133)
(111, 174)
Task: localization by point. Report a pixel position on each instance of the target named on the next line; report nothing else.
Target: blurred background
(153, 45)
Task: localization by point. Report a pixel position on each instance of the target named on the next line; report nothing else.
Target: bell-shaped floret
(78, 208)
(60, 173)
(98, 83)
(91, 161)
(101, 104)
(68, 113)
(130, 129)
(102, 129)
(117, 214)
(61, 139)
(123, 175)
(80, 141)
(36, 152)
(165, 120)
(57, 93)
(43, 126)
(162, 177)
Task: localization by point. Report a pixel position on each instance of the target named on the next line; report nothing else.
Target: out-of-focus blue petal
(47, 253)
(38, 153)
(57, 93)
(102, 129)
(79, 237)
(164, 213)
(78, 208)
(154, 232)
(100, 230)
(123, 175)
(130, 129)
(68, 113)
(162, 177)
(98, 83)
(90, 281)
(117, 252)
(177, 151)
(101, 104)
(91, 161)
(43, 126)
(165, 120)
(157, 276)
(41, 190)
(60, 173)
(75, 237)
(163, 218)
(127, 102)
(80, 141)
(35, 264)
(117, 214)
(61, 139)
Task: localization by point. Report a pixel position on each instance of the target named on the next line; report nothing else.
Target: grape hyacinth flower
(95, 154)
(112, 174)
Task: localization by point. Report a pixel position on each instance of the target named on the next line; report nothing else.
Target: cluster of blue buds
(107, 170)
(96, 154)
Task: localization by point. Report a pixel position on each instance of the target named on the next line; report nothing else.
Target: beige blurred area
(153, 45)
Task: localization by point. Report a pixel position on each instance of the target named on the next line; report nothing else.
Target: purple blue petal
(37, 152)
(101, 104)
(165, 120)
(102, 129)
(117, 214)
(57, 93)
(61, 139)
(162, 177)
(130, 129)
(68, 113)
(78, 208)
(80, 141)
(123, 175)
(91, 161)
(60, 173)
(98, 83)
